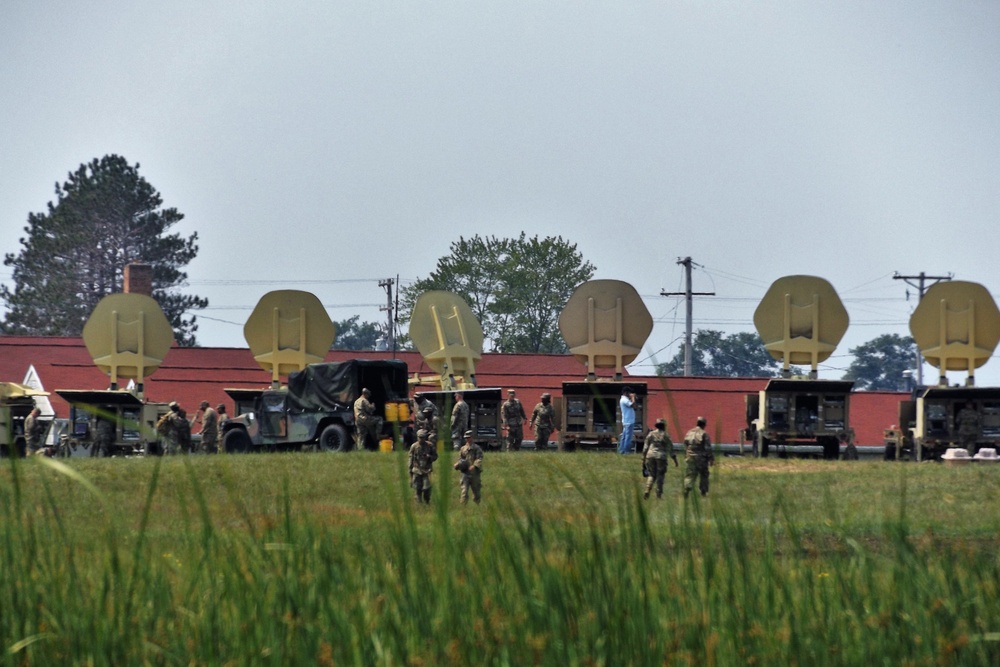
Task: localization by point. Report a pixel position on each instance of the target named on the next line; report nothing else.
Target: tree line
(105, 216)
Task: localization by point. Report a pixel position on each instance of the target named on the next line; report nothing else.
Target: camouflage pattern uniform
(698, 457)
(105, 437)
(183, 428)
(657, 448)
(968, 429)
(543, 421)
(365, 423)
(428, 421)
(470, 457)
(34, 429)
(167, 428)
(459, 421)
(209, 431)
(513, 416)
(423, 454)
(220, 409)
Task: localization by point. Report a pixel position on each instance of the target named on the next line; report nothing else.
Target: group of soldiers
(174, 429)
(657, 450)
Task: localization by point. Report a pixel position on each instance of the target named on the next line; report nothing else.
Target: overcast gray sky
(326, 145)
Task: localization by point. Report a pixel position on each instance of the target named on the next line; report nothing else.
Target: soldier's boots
(645, 495)
(427, 496)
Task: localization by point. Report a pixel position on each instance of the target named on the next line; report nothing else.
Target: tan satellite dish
(605, 324)
(128, 336)
(448, 336)
(287, 331)
(956, 325)
(801, 320)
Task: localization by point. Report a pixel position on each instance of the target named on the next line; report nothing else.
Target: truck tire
(236, 442)
(334, 438)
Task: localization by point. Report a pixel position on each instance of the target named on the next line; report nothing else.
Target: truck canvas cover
(334, 386)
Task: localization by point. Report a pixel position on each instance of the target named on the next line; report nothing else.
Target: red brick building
(190, 375)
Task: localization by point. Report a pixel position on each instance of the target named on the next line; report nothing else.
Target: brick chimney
(139, 279)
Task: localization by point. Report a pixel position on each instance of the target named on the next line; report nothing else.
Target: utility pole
(689, 296)
(922, 278)
(391, 328)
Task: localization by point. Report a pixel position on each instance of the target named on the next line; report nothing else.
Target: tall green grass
(264, 560)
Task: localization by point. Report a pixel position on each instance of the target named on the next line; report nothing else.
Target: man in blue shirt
(627, 404)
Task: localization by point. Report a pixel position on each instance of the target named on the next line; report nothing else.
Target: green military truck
(316, 407)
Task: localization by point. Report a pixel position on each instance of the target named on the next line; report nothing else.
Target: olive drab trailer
(127, 336)
(956, 326)
(129, 420)
(789, 415)
(289, 333)
(16, 403)
(801, 319)
(450, 339)
(605, 324)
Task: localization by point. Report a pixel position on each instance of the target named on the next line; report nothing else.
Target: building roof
(190, 375)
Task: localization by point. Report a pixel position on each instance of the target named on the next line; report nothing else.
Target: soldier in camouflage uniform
(423, 454)
(419, 403)
(967, 421)
(543, 421)
(428, 421)
(105, 437)
(365, 421)
(470, 464)
(655, 451)
(699, 456)
(513, 416)
(170, 429)
(34, 430)
(459, 420)
(209, 419)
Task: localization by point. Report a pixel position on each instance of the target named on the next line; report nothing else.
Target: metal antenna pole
(922, 278)
(689, 296)
(390, 329)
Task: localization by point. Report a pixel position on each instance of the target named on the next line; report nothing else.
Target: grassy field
(325, 559)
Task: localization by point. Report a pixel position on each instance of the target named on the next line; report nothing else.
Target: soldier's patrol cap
(661, 422)
(701, 421)
(510, 391)
(220, 406)
(205, 404)
(546, 395)
(422, 434)
(469, 434)
(174, 405)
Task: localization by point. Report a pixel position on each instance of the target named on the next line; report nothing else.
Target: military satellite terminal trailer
(590, 417)
(799, 416)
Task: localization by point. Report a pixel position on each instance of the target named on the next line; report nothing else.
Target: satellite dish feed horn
(956, 326)
(605, 324)
(448, 337)
(128, 336)
(287, 331)
(614, 348)
(797, 340)
(801, 319)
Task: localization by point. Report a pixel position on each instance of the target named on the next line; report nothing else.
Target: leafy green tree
(105, 216)
(515, 287)
(714, 354)
(879, 363)
(355, 335)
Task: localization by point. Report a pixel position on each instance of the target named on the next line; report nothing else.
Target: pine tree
(105, 217)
